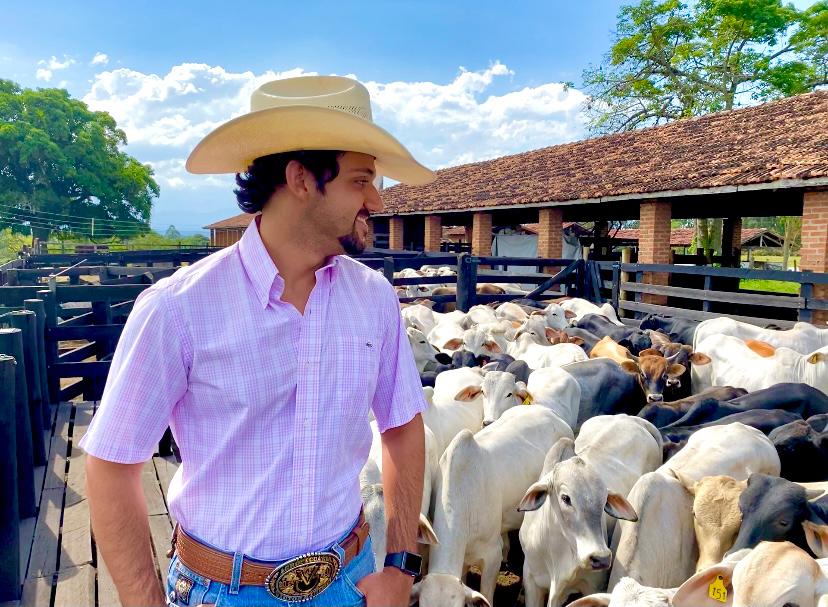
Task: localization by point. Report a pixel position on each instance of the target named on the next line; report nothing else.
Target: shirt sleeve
(147, 378)
(399, 394)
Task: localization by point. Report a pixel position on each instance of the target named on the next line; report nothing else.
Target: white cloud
(100, 59)
(467, 119)
(43, 74)
(52, 65)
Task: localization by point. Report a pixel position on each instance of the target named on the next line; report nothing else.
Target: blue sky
(454, 81)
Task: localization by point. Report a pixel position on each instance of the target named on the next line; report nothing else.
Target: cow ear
(425, 532)
(618, 507)
(534, 497)
(817, 537)
(697, 590)
(516, 324)
(442, 358)
(569, 314)
(493, 347)
(550, 333)
(699, 358)
(630, 366)
(453, 344)
(602, 599)
(816, 357)
(577, 341)
(812, 494)
(474, 598)
(468, 393)
(676, 370)
(650, 352)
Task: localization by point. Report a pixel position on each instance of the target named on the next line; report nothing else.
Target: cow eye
(565, 499)
(422, 342)
(782, 523)
(509, 395)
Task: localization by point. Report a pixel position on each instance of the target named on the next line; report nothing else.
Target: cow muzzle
(599, 561)
(487, 422)
(655, 398)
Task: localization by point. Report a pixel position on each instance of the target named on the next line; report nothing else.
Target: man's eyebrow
(363, 170)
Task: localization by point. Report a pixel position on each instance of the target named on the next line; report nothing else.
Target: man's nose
(373, 200)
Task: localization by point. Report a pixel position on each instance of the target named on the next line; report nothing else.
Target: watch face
(412, 562)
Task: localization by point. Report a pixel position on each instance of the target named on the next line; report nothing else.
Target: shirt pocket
(355, 368)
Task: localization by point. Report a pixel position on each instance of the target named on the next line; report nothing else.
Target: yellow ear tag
(527, 400)
(717, 590)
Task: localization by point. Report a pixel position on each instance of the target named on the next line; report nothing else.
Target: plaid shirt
(269, 407)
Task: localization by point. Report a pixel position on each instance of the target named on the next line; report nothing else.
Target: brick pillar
(369, 239)
(814, 249)
(732, 240)
(433, 233)
(395, 233)
(654, 244)
(550, 236)
(482, 234)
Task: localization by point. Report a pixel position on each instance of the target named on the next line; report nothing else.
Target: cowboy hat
(306, 113)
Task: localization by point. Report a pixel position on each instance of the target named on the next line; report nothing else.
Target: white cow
(660, 550)
(540, 357)
(373, 496)
(511, 311)
(501, 391)
(565, 537)
(734, 364)
(419, 317)
(581, 307)
(556, 317)
(456, 405)
(482, 480)
(485, 341)
(447, 334)
(803, 337)
(557, 390)
(480, 314)
(425, 354)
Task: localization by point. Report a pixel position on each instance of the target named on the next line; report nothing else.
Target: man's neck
(284, 238)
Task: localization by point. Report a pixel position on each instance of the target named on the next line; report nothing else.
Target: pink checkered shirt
(269, 407)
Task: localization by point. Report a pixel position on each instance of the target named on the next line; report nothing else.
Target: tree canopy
(61, 167)
(672, 59)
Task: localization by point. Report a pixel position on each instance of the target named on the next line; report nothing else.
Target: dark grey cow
(802, 450)
(773, 509)
(678, 329)
(765, 420)
(801, 399)
(665, 413)
(631, 338)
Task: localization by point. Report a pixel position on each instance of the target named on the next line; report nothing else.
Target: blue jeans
(341, 593)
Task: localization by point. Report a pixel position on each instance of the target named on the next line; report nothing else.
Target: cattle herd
(653, 463)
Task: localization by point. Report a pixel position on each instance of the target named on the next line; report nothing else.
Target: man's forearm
(403, 461)
(118, 510)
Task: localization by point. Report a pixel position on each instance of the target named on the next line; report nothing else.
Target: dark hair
(267, 173)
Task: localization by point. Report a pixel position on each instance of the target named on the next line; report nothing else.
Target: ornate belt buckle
(304, 577)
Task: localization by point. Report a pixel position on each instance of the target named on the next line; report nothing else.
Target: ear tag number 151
(717, 590)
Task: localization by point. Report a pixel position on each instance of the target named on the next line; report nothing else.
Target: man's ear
(299, 180)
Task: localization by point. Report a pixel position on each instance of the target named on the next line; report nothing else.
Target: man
(265, 358)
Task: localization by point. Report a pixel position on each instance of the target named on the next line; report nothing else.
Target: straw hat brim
(233, 146)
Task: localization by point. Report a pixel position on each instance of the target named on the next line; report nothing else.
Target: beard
(351, 243)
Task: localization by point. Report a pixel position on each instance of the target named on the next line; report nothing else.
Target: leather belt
(218, 566)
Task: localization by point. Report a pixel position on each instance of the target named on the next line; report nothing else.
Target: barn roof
(776, 142)
(237, 221)
(683, 237)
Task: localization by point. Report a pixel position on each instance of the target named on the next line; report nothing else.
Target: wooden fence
(715, 292)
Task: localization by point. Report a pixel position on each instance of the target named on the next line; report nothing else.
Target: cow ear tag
(527, 400)
(717, 590)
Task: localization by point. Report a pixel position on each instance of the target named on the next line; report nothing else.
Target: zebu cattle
(645, 551)
(581, 307)
(483, 477)
(803, 338)
(734, 364)
(565, 538)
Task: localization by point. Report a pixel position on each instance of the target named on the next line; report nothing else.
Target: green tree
(673, 59)
(172, 233)
(61, 167)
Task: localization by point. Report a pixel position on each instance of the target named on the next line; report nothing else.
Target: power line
(67, 215)
(57, 227)
(71, 223)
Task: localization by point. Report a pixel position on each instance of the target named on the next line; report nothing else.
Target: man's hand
(387, 588)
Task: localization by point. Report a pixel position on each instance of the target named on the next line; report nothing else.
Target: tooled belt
(297, 579)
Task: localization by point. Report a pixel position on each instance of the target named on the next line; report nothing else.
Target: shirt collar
(260, 268)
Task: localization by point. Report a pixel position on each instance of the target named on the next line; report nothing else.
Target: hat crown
(331, 92)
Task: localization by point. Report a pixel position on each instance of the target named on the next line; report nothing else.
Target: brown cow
(653, 373)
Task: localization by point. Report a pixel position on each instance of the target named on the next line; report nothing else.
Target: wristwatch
(407, 562)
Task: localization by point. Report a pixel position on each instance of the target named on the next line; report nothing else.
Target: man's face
(340, 214)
